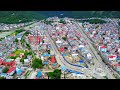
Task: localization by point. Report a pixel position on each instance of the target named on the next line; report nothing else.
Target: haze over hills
(26, 16)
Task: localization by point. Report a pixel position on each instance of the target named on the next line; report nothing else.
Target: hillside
(18, 16)
(26, 16)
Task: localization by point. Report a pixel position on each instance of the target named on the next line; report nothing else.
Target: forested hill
(19, 16)
(26, 16)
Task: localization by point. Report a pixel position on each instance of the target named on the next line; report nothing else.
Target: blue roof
(39, 74)
(48, 55)
(19, 72)
(81, 61)
(64, 55)
(118, 58)
(54, 64)
(63, 68)
(8, 60)
(3, 73)
(45, 62)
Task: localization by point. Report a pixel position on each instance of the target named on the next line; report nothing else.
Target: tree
(64, 38)
(37, 63)
(16, 40)
(55, 75)
(22, 60)
(62, 21)
(48, 51)
(2, 78)
(5, 70)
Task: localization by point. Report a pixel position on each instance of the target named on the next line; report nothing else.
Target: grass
(17, 52)
(27, 73)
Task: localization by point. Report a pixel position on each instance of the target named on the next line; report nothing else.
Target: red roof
(12, 55)
(103, 46)
(53, 59)
(11, 69)
(112, 56)
(61, 49)
(1, 62)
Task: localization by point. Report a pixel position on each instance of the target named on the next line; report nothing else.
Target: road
(62, 62)
(96, 58)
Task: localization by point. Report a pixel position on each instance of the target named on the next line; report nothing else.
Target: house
(3, 74)
(45, 63)
(19, 71)
(81, 47)
(46, 55)
(103, 48)
(11, 71)
(112, 57)
(12, 55)
(39, 74)
(26, 61)
(63, 68)
(89, 56)
(53, 60)
(61, 49)
(118, 57)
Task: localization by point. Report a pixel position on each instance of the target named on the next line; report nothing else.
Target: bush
(55, 75)
(22, 60)
(64, 38)
(16, 40)
(5, 70)
(37, 63)
(62, 21)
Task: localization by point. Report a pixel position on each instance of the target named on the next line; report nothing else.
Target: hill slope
(26, 16)
(18, 16)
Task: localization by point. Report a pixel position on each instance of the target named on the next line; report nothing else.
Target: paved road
(62, 62)
(97, 59)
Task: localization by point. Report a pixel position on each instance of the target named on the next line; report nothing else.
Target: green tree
(16, 40)
(62, 21)
(2, 78)
(22, 60)
(55, 75)
(37, 63)
(64, 38)
(5, 70)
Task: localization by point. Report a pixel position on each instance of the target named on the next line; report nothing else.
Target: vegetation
(26, 33)
(9, 17)
(48, 22)
(94, 21)
(22, 60)
(48, 51)
(62, 21)
(5, 70)
(16, 40)
(37, 63)
(27, 16)
(64, 38)
(55, 75)
(27, 73)
(2, 78)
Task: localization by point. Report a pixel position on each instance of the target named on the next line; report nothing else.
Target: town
(61, 48)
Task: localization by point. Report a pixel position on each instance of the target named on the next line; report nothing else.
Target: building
(19, 71)
(103, 48)
(53, 60)
(11, 71)
(112, 57)
(39, 74)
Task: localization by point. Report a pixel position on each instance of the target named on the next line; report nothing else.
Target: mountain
(26, 16)
(19, 16)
